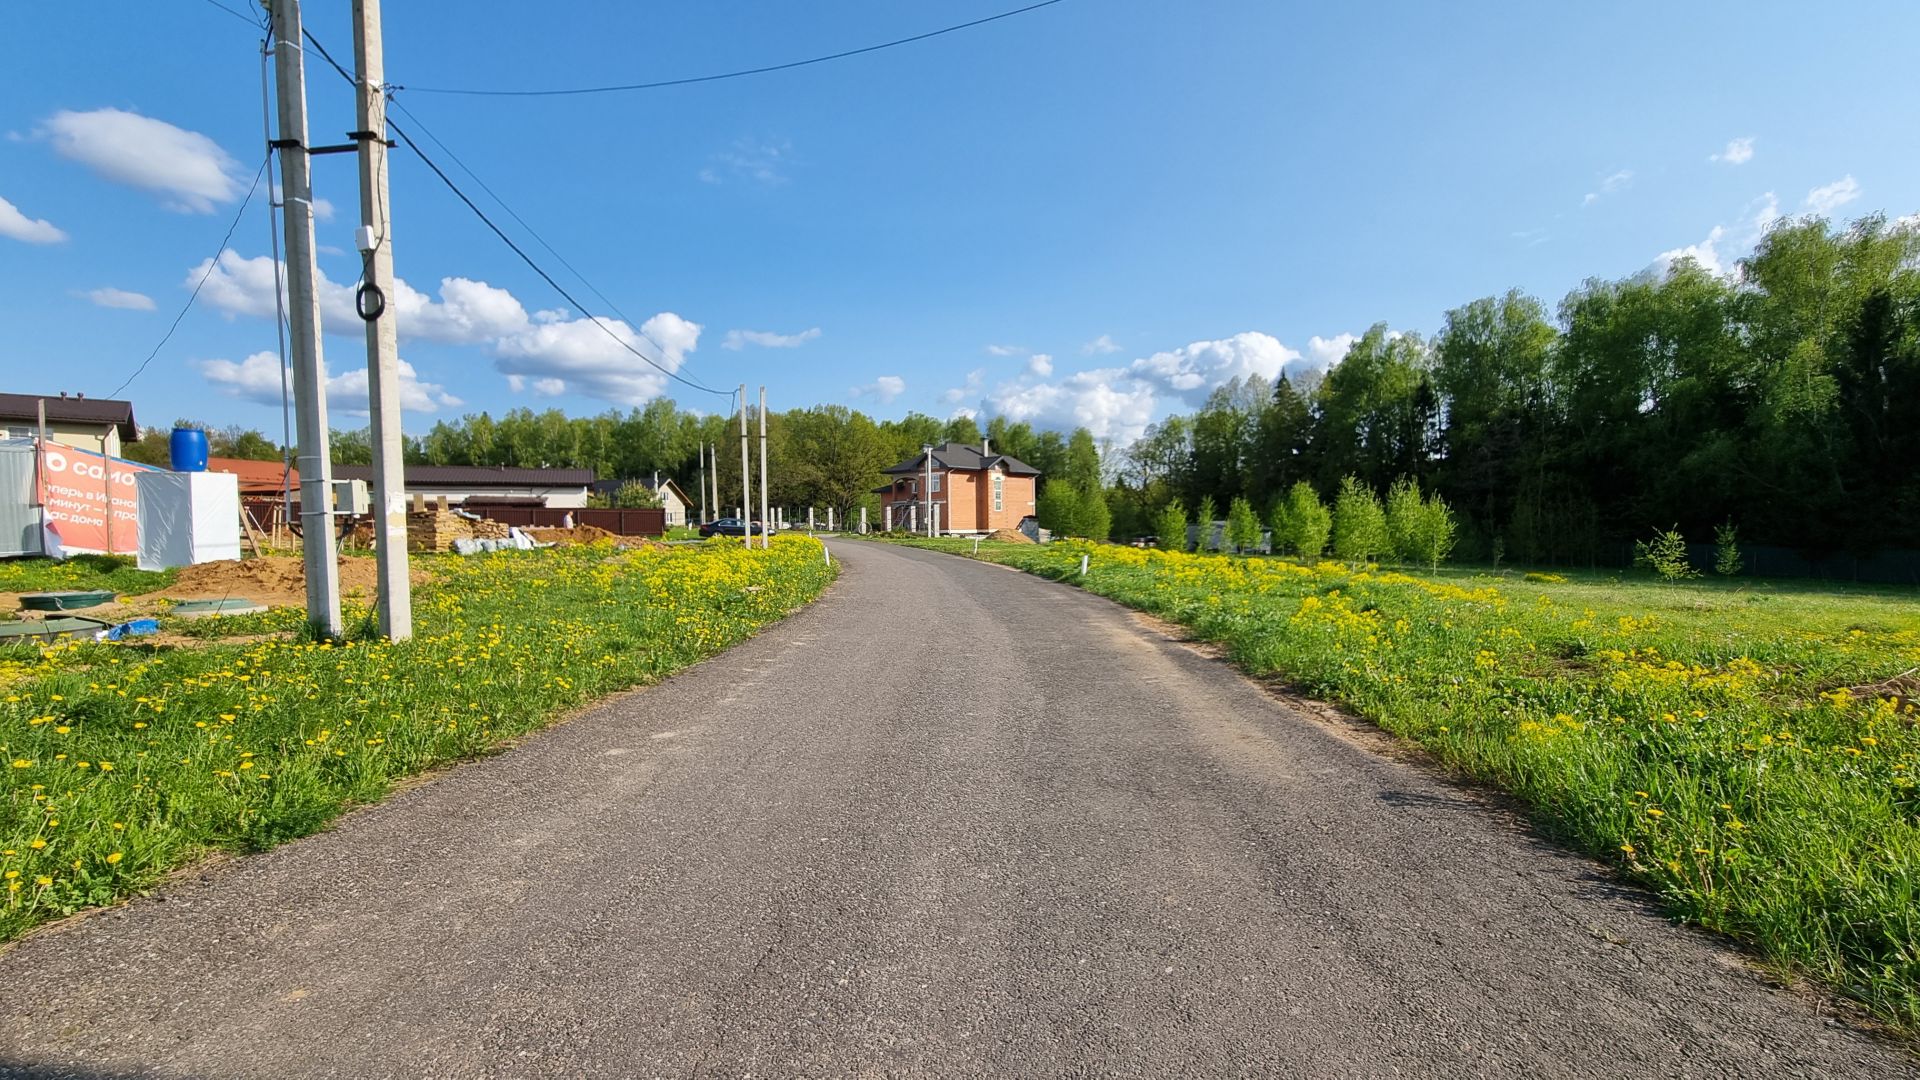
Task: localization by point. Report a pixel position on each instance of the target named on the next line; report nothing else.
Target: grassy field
(1746, 749)
(121, 762)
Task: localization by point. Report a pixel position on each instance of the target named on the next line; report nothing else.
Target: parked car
(732, 527)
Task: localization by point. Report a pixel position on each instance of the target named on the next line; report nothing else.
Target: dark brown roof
(964, 458)
(72, 410)
(475, 476)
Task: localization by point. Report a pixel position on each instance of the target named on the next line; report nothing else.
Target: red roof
(256, 477)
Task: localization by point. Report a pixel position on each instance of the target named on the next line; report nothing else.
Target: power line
(524, 257)
(211, 264)
(731, 74)
(546, 277)
(531, 231)
(255, 23)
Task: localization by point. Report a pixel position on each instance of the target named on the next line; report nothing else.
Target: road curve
(949, 821)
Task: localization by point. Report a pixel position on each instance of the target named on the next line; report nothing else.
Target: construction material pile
(1010, 536)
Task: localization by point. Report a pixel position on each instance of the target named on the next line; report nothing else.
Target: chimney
(986, 447)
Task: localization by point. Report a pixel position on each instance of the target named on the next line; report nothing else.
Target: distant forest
(1783, 398)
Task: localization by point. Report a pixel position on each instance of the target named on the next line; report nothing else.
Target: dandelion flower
(115, 857)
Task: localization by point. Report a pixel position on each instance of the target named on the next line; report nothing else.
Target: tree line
(1783, 399)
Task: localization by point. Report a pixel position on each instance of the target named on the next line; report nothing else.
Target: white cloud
(883, 389)
(1006, 350)
(1326, 352)
(1827, 198)
(190, 170)
(120, 298)
(1706, 253)
(1192, 371)
(19, 226)
(766, 339)
(590, 362)
(1609, 185)
(1738, 152)
(323, 209)
(763, 162)
(976, 379)
(467, 312)
(257, 379)
(1721, 251)
(1119, 402)
(1108, 402)
(550, 352)
(965, 413)
(1040, 364)
(1100, 346)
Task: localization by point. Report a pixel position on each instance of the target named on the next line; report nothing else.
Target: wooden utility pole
(394, 598)
(303, 318)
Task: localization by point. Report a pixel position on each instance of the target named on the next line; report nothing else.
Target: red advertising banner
(90, 499)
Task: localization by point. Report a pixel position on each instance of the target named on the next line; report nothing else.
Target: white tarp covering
(19, 517)
(187, 518)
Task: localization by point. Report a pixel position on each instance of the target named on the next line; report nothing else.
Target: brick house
(974, 490)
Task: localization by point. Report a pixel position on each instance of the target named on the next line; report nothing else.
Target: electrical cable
(731, 74)
(211, 264)
(517, 250)
(259, 24)
(531, 231)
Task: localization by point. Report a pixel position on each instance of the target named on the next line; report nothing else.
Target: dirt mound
(1010, 536)
(579, 534)
(273, 580)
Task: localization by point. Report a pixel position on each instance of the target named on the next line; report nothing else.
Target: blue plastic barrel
(188, 449)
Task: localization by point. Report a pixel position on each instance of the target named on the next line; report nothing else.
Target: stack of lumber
(436, 530)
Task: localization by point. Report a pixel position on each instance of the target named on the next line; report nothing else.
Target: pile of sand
(579, 534)
(1010, 536)
(274, 580)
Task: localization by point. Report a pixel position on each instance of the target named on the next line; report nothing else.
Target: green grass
(121, 762)
(114, 572)
(1746, 749)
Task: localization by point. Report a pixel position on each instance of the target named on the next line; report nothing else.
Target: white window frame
(999, 491)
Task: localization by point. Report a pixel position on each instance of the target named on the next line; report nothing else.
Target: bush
(1727, 559)
(1058, 509)
(1301, 524)
(1094, 520)
(1406, 520)
(636, 495)
(1436, 532)
(1665, 555)
(1208, 511)
(1243, 526)
(1170, 524)
(1359, 524)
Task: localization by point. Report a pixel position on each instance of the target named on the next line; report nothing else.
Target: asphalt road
(949, 821)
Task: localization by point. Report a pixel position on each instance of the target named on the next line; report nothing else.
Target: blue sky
(1150, 196)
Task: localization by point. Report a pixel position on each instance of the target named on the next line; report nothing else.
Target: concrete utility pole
(746, 480)
(702, 473)
(303, 316)
(394, 598)
(766, 514)
(713, 453)
(928, 450)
